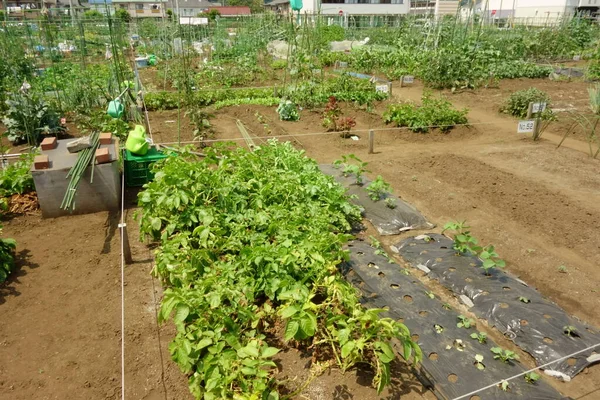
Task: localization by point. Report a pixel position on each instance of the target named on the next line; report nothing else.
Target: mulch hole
(547, 340)
(407, 298)
(506, 288)
(524, 322)
(423, 313)
(414, 337)
(360, 253)
(475, 398)
(547, 316)
(468, 280)
(394, 286)
(381, 275)
(451, 269)
(502, 305)
(571, 361)
(433, 356)
(452, 378)
(373, 265)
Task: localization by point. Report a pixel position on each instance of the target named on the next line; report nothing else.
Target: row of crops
(250, 243)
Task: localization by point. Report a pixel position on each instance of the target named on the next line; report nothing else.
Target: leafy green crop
(16, 178)
(7, 256)
(518, 103)
(288, 111)
(463, 241)
(250, 241)
(434, 112)
(352, 166)
(504, 355)
(378, 188)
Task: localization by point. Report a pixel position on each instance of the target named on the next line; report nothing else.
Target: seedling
(479, 362)
(524, 299)
(464, 322)
(490, 259)
(463, 241)
(379, 249)
(352, 165)
(378, 188)
(438, 328)
(390, 202)
(458, 344)
(431, 295)
(531, 377)
(446, 306)
(504, 386)
(570, 330)
(504, 355)
(481, 337)
(563, 269)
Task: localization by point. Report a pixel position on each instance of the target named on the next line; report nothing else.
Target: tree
(122, 14)
(256, 6)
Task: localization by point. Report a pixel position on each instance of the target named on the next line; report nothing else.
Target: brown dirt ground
(540, 207)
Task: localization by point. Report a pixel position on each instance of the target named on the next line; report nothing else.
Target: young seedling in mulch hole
(431, 295)
(378, 188)
(570, 330)
(390, 203)
(446, 306)
(464, 322)
(438, 328)
(481, 337)
(463, 241)
(479, 362)
(504, 355)
(531, 377)
(490, 259)
(504, 385)
(524, 300)
(458, 345)
(563, 269)
(379, 249)
(352, 165)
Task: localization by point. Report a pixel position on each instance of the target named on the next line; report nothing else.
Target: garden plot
(517, 310)
(454, 362)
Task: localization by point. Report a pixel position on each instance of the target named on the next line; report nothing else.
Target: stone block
(102, 156)
(79, 144)
(49, 143)
(41, 162)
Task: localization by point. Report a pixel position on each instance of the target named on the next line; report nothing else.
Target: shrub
(434, 112)
(28, 117)
(7, 256)
(518, 102)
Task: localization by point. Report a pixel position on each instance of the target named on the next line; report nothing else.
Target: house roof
(231, 10)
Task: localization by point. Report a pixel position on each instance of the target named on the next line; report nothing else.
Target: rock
(79, 144)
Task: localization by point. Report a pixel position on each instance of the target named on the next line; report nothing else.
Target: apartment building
(537, 10)
(142, 8)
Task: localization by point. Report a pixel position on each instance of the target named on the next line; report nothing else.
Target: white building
(536, 10)
(380, 7)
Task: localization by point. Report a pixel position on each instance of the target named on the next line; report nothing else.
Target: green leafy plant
(463, 241)
(334, 121)
(352, 165)
(433, 113)
(481, 337)
(465, 322)
(563, 269)
(517, 104)
(260, 101)
(378, 188)
(248, 242)
(390, 202)
(200, 119)
(479, 362)
(288, 111)
(28, 118)
(504, 355)
(504, 385)
(531, 377)
(524, 300)
(570, 330)
(7, 256)
(16, 178)
(490, 259)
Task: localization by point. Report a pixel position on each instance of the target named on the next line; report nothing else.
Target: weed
(524, 299)
(563, 269)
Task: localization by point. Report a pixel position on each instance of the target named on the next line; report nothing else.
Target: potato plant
(251, 241)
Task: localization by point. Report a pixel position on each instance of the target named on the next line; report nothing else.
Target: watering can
(115, 108)
(136, 141)
(296, 5)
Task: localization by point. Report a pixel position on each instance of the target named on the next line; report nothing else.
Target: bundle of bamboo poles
(84, 158)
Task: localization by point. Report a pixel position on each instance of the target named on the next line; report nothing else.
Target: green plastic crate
(137, 168)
